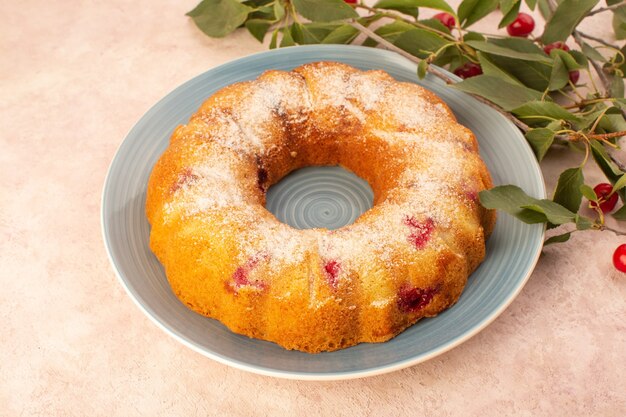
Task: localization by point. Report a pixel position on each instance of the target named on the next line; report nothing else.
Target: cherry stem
(605, 9)
(605, 136)
(396, 16)
(601, 74)
(610, 229)
(584, 103)
(593, 38)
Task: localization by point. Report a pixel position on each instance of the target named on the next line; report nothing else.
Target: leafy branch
(532, 81)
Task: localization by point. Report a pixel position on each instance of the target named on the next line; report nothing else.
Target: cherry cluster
(607, 200)
(522, 26)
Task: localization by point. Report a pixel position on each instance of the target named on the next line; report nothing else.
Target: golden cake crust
(227, 257)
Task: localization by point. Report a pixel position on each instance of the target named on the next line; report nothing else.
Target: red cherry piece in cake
(185, 177)
(522, 26)
(468, 70)
(420, 231)
(412, 299)
(606, 199)
(574, 76)
(619, 258)
(471, 195)
(555, 45)
(332, 269)
(446, 19)
(241, 276)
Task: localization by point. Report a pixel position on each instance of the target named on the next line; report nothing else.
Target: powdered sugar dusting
(199, 194)
(357, 92)
(406, 106)
(284, 244)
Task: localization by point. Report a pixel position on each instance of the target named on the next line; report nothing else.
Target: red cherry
(468, 70)
(555, 45)
(332, 269)
(619, 258)
(412, 299)
(351, 1)
(522, 25)
(574, 76)
(606, 199)
(446, 19)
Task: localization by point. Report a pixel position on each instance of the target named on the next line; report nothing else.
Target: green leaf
(287, 39)
(342, 35)
(510, 199)
(565, 18)
(568, 59)
(620, 214)
(603, 160)
(510, 10)
(420, 42)
(543, 109)
(621, 103)
(619, 22)
(279, 10)
(554, 212)
(471, 11)
(540, 140)
(622, 66)
(218, 18)
(567, 192)
(583, 223)
(431, 4)
(390, 32)
(324, 10)
(274, 38)
(588, 192)
(410, 7)
(619, 184)
(535, 75)
(531, 4)
(473, 36)
(263, 12)
(494, 49)
(592, 53)
(422, 67)
(402, 6)
(613, 120)
(544, 9)
(435, 24)
(258, 28)
(555, 125)
(448, 55)
(504, 94)
(312, 33)
(608, 167)
(587, 120)
(559, 76)
(489, 68)
(616, 88)
(558, 239)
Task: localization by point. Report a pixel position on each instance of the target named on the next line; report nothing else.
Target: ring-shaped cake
(408, 257)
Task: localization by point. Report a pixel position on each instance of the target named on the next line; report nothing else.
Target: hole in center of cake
(319, 197)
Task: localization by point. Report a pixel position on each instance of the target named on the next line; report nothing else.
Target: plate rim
(305, 375)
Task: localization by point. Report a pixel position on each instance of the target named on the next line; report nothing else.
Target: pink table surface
(74, 78)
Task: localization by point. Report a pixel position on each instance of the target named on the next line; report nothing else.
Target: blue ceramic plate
(512, 250)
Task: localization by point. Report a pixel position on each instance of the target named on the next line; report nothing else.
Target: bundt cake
(408, 257)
